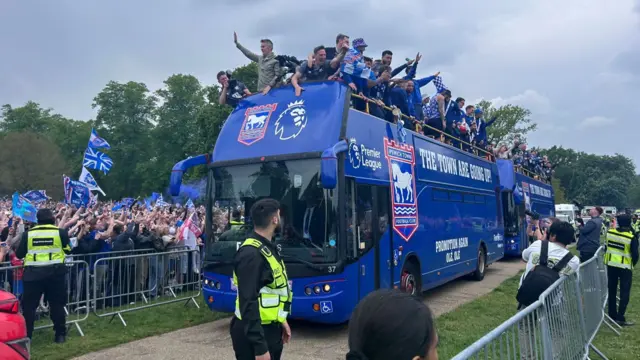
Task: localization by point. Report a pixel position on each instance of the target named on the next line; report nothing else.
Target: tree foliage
(512, 121)
(41, 167)
(594, 179)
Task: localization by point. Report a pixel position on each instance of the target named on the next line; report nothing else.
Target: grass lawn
(465, 325)
(100, 334)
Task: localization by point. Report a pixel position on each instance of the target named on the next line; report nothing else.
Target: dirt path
(309, 341)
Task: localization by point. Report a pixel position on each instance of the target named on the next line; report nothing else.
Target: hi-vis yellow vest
(235, 224)
(619, 249)
(275, 298)
(44, 246)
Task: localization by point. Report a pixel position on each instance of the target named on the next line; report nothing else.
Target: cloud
(597, 121)
(566, 61)
(530, 99)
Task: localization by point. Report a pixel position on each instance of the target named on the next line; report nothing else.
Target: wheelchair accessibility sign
(326, 307)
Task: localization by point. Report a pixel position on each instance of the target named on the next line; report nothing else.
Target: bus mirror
(329, 165)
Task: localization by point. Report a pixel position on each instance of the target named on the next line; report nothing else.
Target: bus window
(364, 211)
(305, 211)
(511, 214)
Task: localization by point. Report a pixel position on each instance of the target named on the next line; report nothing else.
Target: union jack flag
(94, 159)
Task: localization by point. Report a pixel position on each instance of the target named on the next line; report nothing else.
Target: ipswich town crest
(401, 160)
(254, 126)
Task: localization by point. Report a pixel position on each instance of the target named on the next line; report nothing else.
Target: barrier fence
(560, 325)
(110, 284)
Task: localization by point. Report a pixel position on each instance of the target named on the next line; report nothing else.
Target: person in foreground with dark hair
(390, 324)
(43, 249)
(621, 256)
(259, 328)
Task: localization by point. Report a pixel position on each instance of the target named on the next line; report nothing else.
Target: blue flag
(23, 209)
(97, 160)
(97, 142)
(116, 207)
(353, 64)
(76, 193)
(35, 196)
(189, 204)
(147, 204)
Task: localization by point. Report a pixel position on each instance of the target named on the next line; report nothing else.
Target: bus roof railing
(419, 125)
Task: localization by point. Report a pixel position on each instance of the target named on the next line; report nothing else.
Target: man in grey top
(589, 240)
(269, 72)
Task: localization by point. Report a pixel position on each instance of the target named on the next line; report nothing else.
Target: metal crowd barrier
(117, 282)
(129, 283)
(77, 308)
(560, 325)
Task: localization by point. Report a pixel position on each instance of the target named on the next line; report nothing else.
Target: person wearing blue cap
(481, 135)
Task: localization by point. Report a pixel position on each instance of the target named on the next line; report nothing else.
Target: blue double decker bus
(362, 206)
(521, 194)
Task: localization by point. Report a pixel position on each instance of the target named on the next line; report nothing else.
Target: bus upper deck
(363, 205)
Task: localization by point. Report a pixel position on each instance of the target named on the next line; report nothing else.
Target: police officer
(259, 328)
(620, 257)
(43, 249)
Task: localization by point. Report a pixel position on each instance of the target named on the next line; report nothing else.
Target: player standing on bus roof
(259, 328)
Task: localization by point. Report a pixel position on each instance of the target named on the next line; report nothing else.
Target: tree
(31, 162)
(512, 121)
(126, 114)
(593, 179)
(558, 192)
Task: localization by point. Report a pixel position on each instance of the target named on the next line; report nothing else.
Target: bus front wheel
(410, 281)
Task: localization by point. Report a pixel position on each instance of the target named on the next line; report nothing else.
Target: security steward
(43, 249)
(259, 328)
(620, 257)
(236, 220)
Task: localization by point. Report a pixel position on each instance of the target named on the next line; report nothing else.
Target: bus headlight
(307, 291)
(316, 289)
(326, 288)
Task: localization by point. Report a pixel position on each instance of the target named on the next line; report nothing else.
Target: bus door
(369, 216)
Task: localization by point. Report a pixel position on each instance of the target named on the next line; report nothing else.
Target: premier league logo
(401, 160)
(254, 126)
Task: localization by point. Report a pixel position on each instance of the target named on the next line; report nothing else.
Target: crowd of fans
(99, 232)
(389, 93)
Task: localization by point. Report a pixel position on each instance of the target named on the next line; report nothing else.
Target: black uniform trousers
(624, 278)
(244, 349)
(55, 291)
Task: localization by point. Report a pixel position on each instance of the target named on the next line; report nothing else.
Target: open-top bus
(363, 206)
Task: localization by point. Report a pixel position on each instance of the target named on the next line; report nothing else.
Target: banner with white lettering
(438, 163)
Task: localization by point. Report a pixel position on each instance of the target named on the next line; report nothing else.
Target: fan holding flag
(436, 110)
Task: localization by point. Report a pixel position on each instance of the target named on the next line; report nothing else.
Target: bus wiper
(305, 262)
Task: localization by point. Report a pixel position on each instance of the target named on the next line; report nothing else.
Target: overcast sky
(574, 63)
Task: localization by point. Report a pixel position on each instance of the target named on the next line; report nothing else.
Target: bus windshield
(307, 211)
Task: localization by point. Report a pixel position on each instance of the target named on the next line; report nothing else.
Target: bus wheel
(481, 266)
(410, 281)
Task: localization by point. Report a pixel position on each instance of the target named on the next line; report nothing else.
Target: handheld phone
(3, 244)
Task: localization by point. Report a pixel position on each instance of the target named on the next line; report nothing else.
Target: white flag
(87, 179)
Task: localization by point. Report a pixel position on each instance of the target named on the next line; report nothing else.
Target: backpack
(540, 278)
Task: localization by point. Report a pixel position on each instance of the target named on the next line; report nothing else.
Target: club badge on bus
(401, 160)
(256, 121)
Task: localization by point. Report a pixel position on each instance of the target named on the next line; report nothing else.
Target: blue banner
(23, 209)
